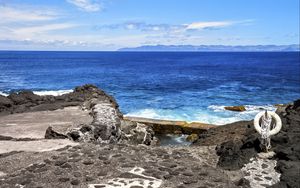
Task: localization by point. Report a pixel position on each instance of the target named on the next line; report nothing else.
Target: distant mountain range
(221, 48)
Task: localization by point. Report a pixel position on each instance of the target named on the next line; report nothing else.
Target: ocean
(190, 86)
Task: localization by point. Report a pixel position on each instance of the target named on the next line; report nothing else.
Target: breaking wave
(213, 114)
(4, 94)
(41, 93)
(54, 93)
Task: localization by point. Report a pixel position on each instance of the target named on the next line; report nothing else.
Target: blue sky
(113, 24)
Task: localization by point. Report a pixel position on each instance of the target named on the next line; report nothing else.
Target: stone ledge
(171, 127)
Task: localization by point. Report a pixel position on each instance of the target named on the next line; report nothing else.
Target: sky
(113, 24)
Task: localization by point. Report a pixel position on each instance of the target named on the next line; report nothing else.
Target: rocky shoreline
(81, 139)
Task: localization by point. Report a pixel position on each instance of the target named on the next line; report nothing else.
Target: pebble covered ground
(89, 165)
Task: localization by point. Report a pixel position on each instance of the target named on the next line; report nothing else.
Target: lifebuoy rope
(265, 128)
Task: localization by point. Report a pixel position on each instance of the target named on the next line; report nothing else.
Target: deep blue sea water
(191, 86)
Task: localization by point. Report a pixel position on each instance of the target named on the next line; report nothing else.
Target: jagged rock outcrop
(137, 133)
(236, 143)
(105, 127)
(27, 101)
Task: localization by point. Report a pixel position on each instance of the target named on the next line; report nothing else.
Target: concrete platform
(33, 125)
(34, 146)
(171, 127)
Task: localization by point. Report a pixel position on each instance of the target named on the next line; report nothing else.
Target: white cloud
(172, 28)
(206, 25)
(86, 5)
(34, 30)
(12, 14)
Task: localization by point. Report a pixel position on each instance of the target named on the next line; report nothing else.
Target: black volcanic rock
(51, 134)
(27, 101)
(286, 146)
(235, 153)
(24, 97)
(5, 103)
(238, 142)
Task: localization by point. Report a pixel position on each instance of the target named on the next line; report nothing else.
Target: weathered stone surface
(286, 146)
(192, 138)
(220, 134)
(107, 123)
(51, 134)
(5, 103)
(137, 133)
(139, 159)
(171, 127)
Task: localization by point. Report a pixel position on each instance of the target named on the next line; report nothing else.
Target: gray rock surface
(105, 164)
(137, 133)
(33, 125)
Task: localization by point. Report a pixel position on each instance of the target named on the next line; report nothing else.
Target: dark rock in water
(51, 134)
(235, 108)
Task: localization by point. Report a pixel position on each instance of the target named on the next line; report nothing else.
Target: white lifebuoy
(277, 121)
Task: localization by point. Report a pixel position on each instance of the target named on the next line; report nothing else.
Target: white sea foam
(214, 114)
(249, 108)
(155, 114)
(4, 94)
(54, 93)
(41, 93)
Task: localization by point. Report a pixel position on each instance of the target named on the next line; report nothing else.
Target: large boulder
(107, 123)
(52, 134)
(105, 127)
(235, 153)
(137, 133)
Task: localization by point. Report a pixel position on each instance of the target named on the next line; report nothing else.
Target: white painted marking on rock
(2, 173)
(261, 172)
(144, 181)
